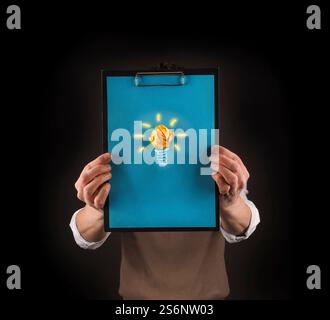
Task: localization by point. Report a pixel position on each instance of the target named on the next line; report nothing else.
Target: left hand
(230, 174)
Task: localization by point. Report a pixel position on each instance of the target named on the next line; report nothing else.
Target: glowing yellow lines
(138, 136)
(158, 117)
(181, 134)
(146, 125)
(173, 122)
(140, 150)
(177, 147)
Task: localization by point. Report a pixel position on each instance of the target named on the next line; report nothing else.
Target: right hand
(92, 185)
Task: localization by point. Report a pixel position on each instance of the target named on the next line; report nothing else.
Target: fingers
(216, 149)
(234, 156)
(101, 196)
(96, 167)
(89, 174)
(92, 186)
(230, 178)
(227, 172)
(229, 163)
(90, 189)
(234, 167)
(214, 167)
(224, 188)
(102, 159)
(224, 157)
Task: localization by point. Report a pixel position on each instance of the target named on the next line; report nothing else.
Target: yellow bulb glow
(158, 117)
(146, 125)
(177, 147)
(173, 122)
(181, 135)
(161, 137)
(138, 136)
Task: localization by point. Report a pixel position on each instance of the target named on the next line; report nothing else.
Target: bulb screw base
(161, 157)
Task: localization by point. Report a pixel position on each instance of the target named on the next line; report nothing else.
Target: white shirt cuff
(81, 242)
(255, 219)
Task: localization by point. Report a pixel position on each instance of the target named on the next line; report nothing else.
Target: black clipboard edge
(104, 74)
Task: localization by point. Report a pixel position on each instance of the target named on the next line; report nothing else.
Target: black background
(273, 100)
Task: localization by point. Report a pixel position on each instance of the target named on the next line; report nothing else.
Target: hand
(92, 186)
(229, 173)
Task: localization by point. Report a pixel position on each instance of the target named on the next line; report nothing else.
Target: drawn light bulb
(160, 138)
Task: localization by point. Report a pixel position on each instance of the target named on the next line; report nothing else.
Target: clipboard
(152, 197)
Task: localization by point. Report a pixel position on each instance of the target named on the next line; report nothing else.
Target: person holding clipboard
(170, 265)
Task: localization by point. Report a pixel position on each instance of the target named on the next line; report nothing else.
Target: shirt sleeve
(81, 242)
(255, 219)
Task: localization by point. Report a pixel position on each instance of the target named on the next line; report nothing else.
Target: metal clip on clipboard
(181, 79)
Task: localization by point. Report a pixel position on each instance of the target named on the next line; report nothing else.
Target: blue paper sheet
(149, 196)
